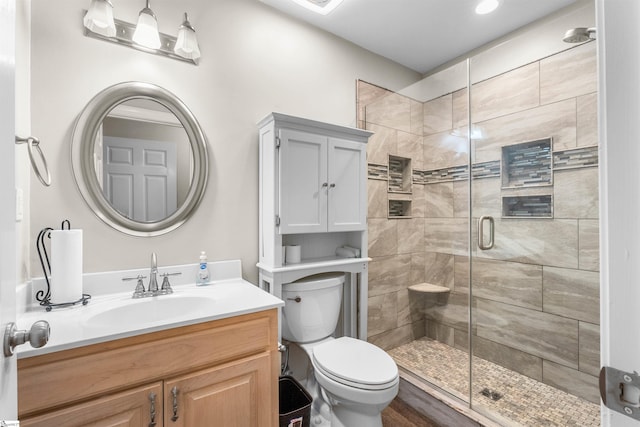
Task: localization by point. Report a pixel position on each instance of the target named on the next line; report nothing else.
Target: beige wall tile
(389, 274)
(410, 235)
(589, 348)
(528, 331)
(589, 244)
(439, 332)
(572, 381)
(461, 274)
(572, 293)
(442, 150)
(460, 109)
(409, 308)
(438, 115)
(383, 237)
(417, 117)
(452, 310)
(383, 142)
(393, 111)
(446, 235)
(514, 91)
(438, 269)
(418, 263)
(568, 74)
(398, 336)
(368, 93)
(531, 241)
(587, 133)
(487, 198)
(419, 201)
(556, 120)
(377, 198)
(410, 146)
(439, 200)
(508, 357)
(575, 193)
(383, 313)
(461, 199)
(508, 282)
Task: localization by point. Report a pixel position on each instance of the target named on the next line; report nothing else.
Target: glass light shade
(187, 42)
(146, 33)
(99, 18)
(487, 6)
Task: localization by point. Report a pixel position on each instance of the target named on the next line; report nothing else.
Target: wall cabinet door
(303, 182)
(131, 408)
(237, 394)
(347, 206)
(322, 183)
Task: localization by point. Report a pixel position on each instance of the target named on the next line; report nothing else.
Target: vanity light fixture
(187, 43)
(99, 23)
(323, 7)
(487, 6)
(99, 18)
(146, 33)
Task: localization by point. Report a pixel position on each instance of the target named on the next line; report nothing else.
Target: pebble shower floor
(514, 399)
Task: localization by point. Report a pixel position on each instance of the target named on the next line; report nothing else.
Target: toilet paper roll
(345, 253)
(292, 254)
(66, 266)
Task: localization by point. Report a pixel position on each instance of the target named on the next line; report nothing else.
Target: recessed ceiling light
(487, 6)
(322, 7)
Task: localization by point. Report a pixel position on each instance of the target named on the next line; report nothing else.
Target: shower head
(579, 35)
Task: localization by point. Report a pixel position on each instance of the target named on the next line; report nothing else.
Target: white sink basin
(147, 311)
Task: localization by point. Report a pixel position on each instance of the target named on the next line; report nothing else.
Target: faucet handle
(166, 286)
(139, 290)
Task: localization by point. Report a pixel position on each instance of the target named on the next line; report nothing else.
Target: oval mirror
(139, 158)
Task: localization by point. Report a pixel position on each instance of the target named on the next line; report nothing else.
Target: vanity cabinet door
(236, 394)
(131, 408)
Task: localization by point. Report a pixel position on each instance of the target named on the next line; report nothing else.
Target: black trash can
(295, 403)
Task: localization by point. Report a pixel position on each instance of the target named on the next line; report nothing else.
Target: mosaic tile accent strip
(456, 173)
(523, 401)
(377, 171)
(578, 158)
(399, 208)
(527, 164)
(527, 206)
(399, 170)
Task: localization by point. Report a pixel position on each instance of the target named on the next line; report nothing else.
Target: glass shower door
(534, 213)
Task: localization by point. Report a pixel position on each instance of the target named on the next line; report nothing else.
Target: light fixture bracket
(124, 37)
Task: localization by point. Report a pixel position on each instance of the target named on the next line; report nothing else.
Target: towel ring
(31, 142)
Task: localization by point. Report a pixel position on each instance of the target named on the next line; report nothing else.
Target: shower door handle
(481, 243)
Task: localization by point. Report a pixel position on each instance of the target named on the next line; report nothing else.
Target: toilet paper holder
(42, 296)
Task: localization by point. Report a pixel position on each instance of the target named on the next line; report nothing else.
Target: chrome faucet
(153, 275)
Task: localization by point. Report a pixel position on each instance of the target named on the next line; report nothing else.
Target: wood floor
(399, 414)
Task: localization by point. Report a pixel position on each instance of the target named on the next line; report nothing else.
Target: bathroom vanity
(215, 367)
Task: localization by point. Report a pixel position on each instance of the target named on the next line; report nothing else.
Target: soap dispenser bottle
(203, 270)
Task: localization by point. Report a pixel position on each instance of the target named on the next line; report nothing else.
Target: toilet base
(346, 417)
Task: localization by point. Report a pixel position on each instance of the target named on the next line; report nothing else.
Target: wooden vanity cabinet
(219, 373)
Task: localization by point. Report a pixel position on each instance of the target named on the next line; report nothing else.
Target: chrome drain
(493, 395)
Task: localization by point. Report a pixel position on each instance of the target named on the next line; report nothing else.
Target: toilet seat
(355, 363)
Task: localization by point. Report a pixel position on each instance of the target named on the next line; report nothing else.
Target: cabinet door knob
(174, 392)
(332, 186)
(324, 184)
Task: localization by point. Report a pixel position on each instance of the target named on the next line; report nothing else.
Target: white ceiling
(422, 34)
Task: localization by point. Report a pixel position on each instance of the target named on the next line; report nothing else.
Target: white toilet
(356, 379)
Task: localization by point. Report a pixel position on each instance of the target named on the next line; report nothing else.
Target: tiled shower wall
(536, 293)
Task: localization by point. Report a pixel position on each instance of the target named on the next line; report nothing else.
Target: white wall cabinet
(313, 193)
(322, 183)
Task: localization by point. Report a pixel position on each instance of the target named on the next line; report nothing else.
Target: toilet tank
(312, 307)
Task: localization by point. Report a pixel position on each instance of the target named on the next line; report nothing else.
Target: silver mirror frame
(82, 146)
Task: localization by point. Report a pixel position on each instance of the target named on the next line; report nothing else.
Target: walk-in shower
(509, 321)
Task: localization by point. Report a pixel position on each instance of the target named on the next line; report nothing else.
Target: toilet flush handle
(296, 299)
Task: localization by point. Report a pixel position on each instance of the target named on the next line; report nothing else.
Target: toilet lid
(355, 362)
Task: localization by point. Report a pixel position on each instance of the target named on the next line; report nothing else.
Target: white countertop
(76, 326)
